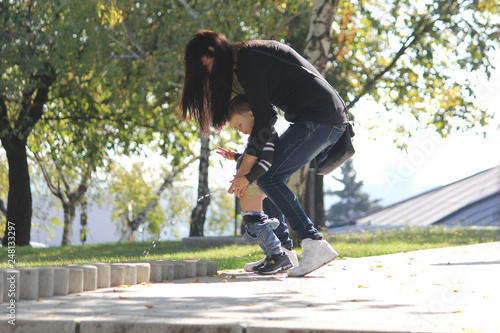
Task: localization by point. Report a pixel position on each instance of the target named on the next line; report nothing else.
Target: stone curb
(41, 282)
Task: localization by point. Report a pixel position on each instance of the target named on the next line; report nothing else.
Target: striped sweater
(265, 160)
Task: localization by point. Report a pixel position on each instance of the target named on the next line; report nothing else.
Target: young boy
(259, 228)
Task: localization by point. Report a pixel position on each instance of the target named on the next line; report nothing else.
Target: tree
(138, 33)
(38, 44)
(3, 188)
(198, 215)
(353, 202)
(406, 55)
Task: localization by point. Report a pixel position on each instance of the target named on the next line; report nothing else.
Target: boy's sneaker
(317, 253)
(254, 266)
(249, 267)
(276, 263)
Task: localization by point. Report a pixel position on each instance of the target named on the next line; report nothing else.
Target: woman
(271, 74)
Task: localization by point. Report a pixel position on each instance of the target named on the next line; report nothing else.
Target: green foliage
(220, 212)
(414, 57)
(130, 191)
(353, 202)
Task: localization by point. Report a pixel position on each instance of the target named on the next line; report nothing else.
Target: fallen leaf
(121, 297)
(233, 277)
(197, 280)
(225, 281)
(249, 304)
(361, 286)
(389, 276)
(149, 306)
(165, 281)
(123, 286)
(39, 300)
(458, 311)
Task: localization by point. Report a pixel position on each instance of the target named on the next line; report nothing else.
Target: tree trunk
(19, 204)
(319, 207)
(316, 52)
(14, 136)
(69, 216)
(199, 212)
(320, 32)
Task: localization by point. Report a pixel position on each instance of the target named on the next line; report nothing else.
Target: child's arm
(248, 173)
(228, 154)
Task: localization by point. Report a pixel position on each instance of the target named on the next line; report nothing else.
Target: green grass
(235, 256)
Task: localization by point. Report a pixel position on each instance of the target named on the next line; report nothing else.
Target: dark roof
(474, 200)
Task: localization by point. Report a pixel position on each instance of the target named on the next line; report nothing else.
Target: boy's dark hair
(239, 104)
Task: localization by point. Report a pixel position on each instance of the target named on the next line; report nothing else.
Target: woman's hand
(226, 153)
(238, 186)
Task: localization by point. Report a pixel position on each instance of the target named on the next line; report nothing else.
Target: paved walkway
(442, 290)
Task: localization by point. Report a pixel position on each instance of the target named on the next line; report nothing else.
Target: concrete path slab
(442, 290)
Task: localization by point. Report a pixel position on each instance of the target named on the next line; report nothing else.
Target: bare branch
(141, 217)
(190, 10)
(418, 32)
(56, 191)
(129, 50)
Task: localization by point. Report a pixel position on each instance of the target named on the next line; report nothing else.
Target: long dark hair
(205, 97)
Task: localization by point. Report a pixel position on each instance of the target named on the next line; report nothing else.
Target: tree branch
(284, 23)
(126, 47)
(118, 121)
(141, 217)
(4, 119)
(50, 184)
(410, 41)
(32, 112)
(190, 10)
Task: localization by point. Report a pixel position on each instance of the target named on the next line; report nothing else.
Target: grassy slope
(235, 256)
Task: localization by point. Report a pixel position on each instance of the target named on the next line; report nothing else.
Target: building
(472, 201)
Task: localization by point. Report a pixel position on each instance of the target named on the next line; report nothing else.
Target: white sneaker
(317, 253)
(292, 255)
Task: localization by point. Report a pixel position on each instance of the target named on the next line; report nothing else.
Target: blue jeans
(300, 143)
(259, 230)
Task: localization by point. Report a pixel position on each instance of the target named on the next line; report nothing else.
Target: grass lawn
(235, 256)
